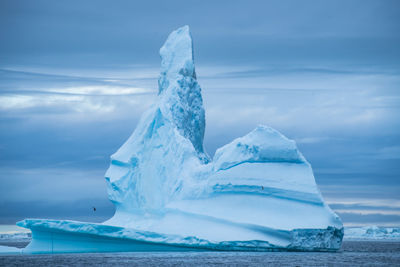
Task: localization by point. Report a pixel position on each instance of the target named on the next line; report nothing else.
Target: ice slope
(151, 167)
(257, 193)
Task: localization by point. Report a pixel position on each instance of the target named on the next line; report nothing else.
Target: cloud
(358, 208)
(367, 203)
(81, 210)
(55, 184)
(312, 140)
(358, 219)
(369, 212)
(392, 152)
(75, 80)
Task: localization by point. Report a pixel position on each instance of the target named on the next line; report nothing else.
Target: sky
(75, 77)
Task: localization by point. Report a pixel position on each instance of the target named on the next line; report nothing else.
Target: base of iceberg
(60, 236)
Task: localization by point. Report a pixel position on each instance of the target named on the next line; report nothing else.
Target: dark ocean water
(353, 253)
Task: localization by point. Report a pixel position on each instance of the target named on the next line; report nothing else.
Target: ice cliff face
(150, 168)
(179, 90)
(258, 192)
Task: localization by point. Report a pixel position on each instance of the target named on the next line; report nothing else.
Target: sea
(352, 253)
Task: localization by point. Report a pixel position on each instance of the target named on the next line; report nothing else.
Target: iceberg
(257, 193)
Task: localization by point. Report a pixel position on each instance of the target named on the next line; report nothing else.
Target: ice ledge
(61, 236)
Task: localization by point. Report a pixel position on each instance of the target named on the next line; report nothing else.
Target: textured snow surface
(263, 144)
(372, 233)
(258, 191)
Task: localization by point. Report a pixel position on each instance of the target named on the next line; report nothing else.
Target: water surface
(353, 253)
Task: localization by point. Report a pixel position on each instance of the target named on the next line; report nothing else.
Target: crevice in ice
(298, 196)
(230, 166)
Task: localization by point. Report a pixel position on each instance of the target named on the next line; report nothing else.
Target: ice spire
(176, 57)
(149, 169)
(179, 90)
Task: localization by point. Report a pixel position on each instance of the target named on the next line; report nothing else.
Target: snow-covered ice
(257, 193)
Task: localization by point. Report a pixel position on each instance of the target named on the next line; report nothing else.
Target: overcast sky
(75, 77)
